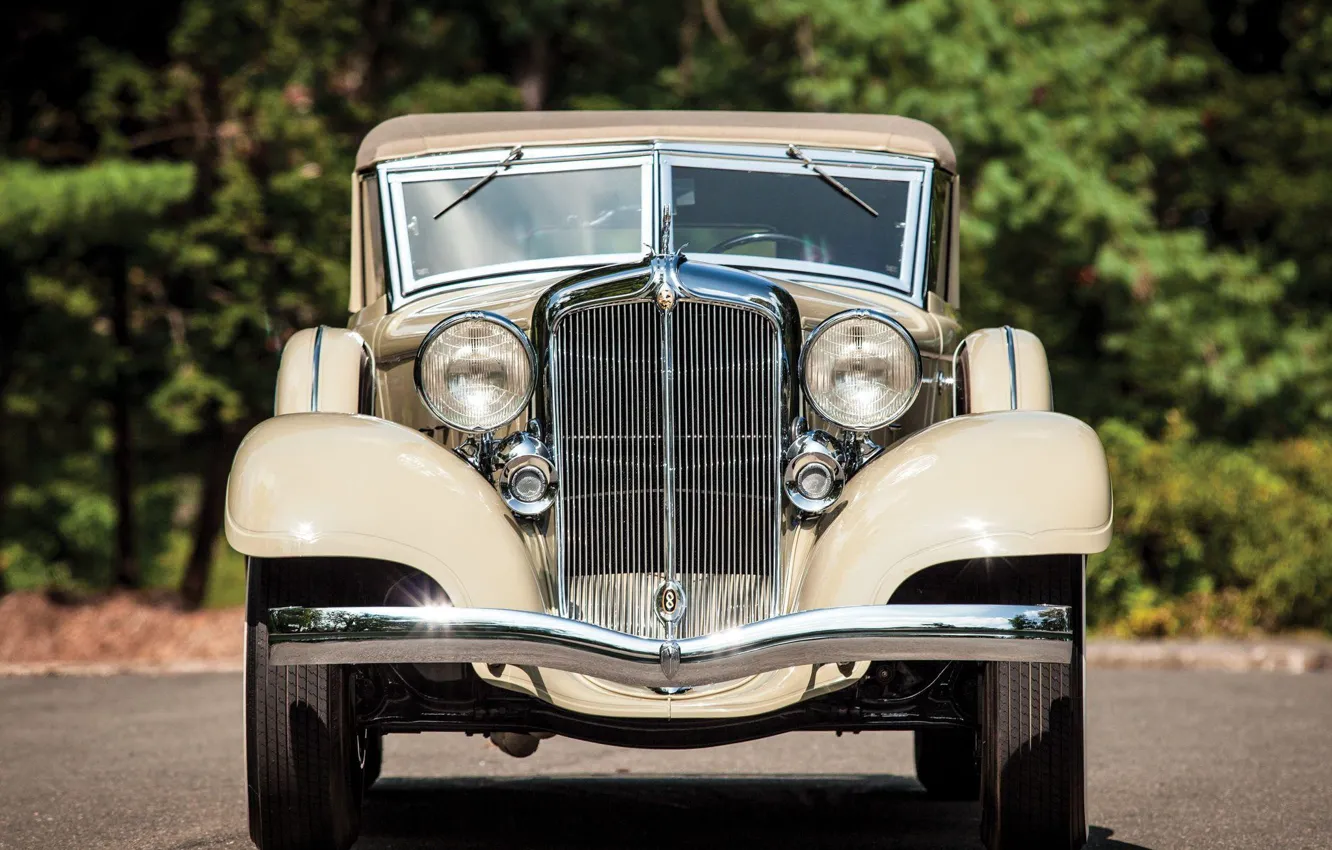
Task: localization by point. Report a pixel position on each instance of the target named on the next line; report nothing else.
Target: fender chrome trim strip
(314, 370)
(443, 634)
(1012, 368)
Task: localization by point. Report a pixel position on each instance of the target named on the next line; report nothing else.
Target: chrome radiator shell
(666, 389)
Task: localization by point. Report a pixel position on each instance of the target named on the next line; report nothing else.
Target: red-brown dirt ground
(119, 627)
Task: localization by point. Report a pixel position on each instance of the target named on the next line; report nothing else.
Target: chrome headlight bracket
(858, 449)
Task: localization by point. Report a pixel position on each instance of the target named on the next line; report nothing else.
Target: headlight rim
(458, 318)
(860, 313)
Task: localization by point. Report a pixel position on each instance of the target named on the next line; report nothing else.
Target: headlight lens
(474, 372)
(861, 370)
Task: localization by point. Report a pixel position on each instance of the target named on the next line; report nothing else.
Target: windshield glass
(791, 215)
(519, 217)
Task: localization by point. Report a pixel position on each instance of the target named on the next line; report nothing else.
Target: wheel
(946, 763)
(304, 759)
(1032, 754)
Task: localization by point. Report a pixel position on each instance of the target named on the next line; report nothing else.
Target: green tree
(1143, 186)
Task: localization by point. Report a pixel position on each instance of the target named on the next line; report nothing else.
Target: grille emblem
(665, 296)
(671, 602)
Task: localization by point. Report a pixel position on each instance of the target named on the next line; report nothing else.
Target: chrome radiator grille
(668, 439)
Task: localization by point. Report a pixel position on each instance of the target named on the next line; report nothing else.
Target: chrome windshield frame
(655, 160)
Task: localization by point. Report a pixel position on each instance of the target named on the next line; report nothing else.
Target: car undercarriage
(894, 695)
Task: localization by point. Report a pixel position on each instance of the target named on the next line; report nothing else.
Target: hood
(398, 335)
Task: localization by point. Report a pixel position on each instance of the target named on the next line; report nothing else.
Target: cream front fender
(1002, 484)
(341, 485)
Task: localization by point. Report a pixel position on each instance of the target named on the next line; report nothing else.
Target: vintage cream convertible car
(658, 429)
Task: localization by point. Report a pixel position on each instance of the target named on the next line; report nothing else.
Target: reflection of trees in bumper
(1045, 620)
(427, 635)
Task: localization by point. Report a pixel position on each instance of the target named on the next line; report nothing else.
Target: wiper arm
(515, 154)
(796, 153)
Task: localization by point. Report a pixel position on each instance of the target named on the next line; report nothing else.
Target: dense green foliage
(1146, 183)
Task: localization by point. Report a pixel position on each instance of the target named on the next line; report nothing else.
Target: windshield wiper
(796, 153)
(515, 154)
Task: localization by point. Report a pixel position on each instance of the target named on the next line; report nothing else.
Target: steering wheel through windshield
(758, 236)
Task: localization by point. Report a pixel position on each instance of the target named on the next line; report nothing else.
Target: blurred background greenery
(1148, 182)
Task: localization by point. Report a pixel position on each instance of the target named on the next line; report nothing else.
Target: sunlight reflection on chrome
(444, 634)
(418, 592)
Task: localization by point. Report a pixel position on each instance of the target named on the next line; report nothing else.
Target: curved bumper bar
(1039, 633)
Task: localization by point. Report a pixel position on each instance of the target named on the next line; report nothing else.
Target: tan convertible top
(412, 135)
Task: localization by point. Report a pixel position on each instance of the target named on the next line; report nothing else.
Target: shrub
(1210, 538)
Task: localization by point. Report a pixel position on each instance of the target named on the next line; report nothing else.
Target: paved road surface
(1178, 760)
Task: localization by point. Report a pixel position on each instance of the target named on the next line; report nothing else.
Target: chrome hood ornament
(663, 266)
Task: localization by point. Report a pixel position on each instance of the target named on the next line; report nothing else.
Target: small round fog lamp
(814, 472)
(528, 484)
(527, 477)
(814, 480)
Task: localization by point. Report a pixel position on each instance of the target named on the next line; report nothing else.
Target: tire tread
(1031, 731)
(301, 784)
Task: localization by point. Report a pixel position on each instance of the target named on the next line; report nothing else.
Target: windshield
(527, 212)
(520, 217)
(791, 215)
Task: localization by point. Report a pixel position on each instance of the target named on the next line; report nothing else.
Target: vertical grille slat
(619, 449)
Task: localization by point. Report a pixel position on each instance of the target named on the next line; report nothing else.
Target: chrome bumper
(832, 635)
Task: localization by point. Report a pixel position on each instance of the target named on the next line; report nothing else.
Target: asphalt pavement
(1178, 759)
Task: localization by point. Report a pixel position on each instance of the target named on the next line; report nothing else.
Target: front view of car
(660, 429)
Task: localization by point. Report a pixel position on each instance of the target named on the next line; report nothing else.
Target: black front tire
(1032, 748)
(305, 770)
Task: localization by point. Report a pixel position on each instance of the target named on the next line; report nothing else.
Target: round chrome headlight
(861, 370)
(474, 371)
